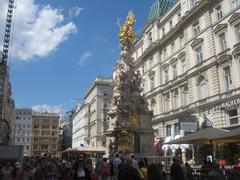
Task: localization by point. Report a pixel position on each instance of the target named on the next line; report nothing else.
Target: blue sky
(60, 46)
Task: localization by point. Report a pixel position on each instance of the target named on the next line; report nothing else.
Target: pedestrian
(79, 171)
(105, 169)
(134, 162)
(154, 172)
(176, 171)
(98, 167)
(188, 172)
(116, 162)
(6, 171)
(128, 172)
(17, 173)
(142, 170)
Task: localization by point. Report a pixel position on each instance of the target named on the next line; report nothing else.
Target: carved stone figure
(129, 116)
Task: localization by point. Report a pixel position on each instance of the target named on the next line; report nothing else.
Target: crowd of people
(99, 168)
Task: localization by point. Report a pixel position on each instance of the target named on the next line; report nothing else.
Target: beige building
(189, 59)
(89, 120)
(45, 133)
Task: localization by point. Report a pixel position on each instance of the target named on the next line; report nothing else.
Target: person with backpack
(105, 169)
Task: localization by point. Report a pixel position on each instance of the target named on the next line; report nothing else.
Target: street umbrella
(202, 136)
(229, 137)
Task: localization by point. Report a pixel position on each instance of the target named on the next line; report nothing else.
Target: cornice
(234, 17)
(220, 27)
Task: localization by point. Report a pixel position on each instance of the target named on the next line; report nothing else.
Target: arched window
(202, 92)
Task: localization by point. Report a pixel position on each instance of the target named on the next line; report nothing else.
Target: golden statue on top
(127, 34)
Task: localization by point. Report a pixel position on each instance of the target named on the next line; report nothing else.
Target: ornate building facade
(89, 120)
(6, 104)
(45, 133)
(189, 59)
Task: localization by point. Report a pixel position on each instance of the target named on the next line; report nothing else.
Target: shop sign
(227, 105)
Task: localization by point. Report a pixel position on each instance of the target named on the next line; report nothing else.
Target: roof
(160, 7)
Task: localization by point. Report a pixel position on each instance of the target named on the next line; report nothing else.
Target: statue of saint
(127, 34)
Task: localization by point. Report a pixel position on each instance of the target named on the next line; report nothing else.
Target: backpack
(105, 169)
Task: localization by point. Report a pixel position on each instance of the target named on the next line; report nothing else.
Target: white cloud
(38, 30)
(85, 56)
(75, 11)
(48, 108)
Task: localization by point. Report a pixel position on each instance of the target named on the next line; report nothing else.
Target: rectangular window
(176, 129)
(227, 78)
(152, 83)
(173, 48)
(237, 32)
(179, 17)
(196, 28)
(166, 75)
(185, 95)
(219, 13)
(235, 3)
(167, 102)
(233, 116)
(150, 37)
(174, 71)
(164, 53)
(193, 3)
(199, 55)
(181, 41)
(222, 42)
(170, 25)
(184, 66)
(163, 31)
(175, 99)
(168, 130)
(151, 62)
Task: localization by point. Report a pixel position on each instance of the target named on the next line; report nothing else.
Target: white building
(89, 121)
(22, 130)
(189, 59)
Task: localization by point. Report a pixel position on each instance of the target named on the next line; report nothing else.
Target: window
(173, 47)
(181, 41)
(196, 28)
(176, 129)
(237, 32)
(235, 3)
(175, 99)
(219, 13)
(193, 3)
(174, 71)
(152, 83)
(150, 37)
(151, 62)
(199, 55)
(163, 31)
(179, 17)
(170, 25)
(164, 53)
(202, 87)
(233, 117)
(227, 78)
(185, 95)
(167, 102)
(222, 42)
(184, 66)
(166, 75)
(152, 104)
(168, 130)
(143, 69)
